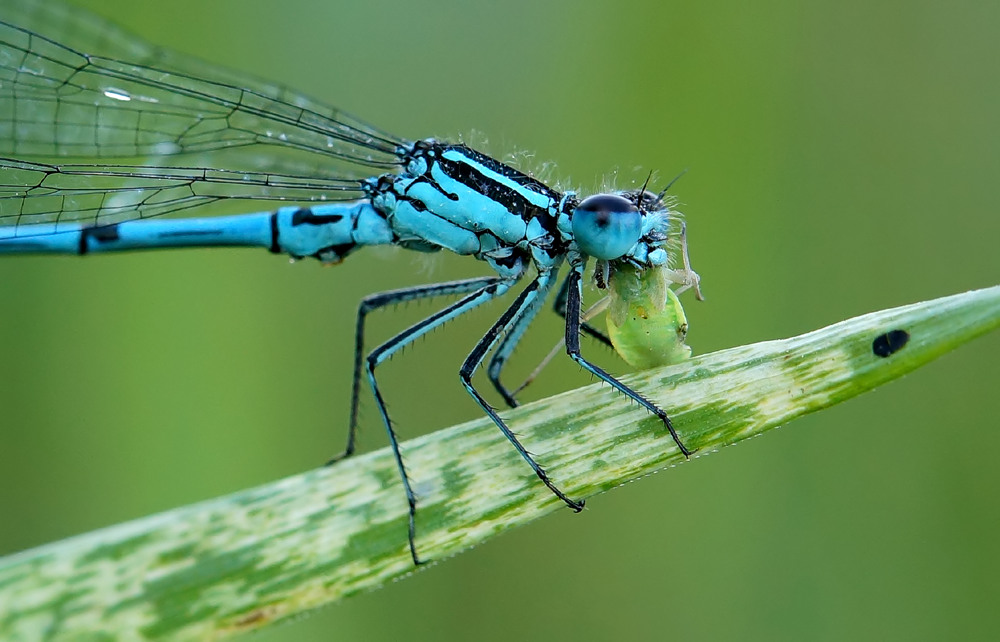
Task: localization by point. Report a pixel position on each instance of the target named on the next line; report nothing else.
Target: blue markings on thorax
(456, 198)
(412, 222)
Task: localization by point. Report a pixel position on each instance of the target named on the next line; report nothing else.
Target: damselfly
(100, 132)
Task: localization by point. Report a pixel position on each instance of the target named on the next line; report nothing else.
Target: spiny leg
(591, 312)
(521, 306)
(560, 308)
(573, 302)
(381, 300)
(559, 305)
(495, 287)
(510, 340)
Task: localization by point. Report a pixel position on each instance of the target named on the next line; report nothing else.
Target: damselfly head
(627, 226)
(606, 226)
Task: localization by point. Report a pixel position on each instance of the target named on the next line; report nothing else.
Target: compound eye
(606, 226)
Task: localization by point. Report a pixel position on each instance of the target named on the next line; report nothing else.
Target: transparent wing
(64, 99)
(161, 113)
(32, 193)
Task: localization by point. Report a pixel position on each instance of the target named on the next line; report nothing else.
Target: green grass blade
(243, 561)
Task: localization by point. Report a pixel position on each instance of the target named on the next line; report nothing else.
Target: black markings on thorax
(465, 172)
(509, 197)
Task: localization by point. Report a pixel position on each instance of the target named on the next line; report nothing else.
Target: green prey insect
(646, 323)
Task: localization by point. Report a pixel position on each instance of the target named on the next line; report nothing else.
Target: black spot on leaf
(890, 343)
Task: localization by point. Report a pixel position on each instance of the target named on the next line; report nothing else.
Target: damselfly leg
(573, 308)
(385, 299)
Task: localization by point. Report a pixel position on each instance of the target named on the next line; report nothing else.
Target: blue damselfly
(101, 134)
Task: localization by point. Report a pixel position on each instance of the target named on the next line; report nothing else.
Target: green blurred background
(843, 158)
